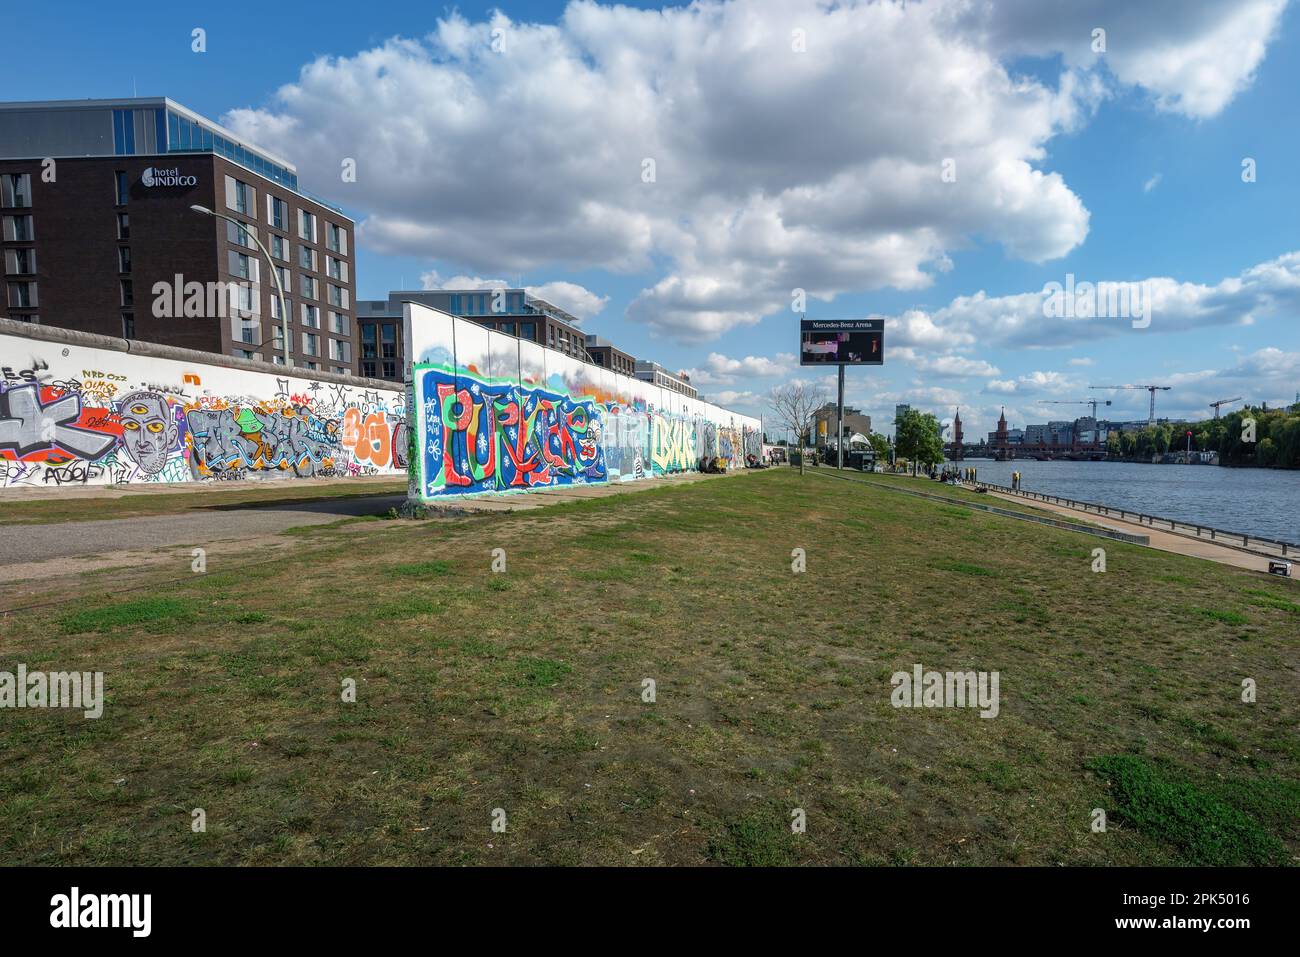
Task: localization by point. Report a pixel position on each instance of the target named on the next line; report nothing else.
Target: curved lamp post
(284, 313)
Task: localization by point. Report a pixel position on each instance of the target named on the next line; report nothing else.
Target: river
(1263, 502)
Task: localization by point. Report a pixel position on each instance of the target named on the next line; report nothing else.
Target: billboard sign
(854, 342)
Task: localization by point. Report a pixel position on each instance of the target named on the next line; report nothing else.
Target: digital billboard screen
(851, 342)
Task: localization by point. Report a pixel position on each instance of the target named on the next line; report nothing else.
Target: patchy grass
(1164, 804)
(1219, 614)
(526, 690)
(142, 611)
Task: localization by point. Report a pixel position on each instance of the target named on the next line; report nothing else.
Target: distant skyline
(674, 175)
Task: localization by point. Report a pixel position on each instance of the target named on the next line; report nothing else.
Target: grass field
(523, 691)
(133, 504)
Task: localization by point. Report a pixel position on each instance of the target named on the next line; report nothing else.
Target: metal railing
(1239, 540)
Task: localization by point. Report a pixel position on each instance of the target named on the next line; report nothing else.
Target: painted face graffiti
(149, 430)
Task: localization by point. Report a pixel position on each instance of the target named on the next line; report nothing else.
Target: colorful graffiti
(488, 438)
(97, 427)
(485, 436)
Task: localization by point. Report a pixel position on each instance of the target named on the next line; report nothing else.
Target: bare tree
(794, 405)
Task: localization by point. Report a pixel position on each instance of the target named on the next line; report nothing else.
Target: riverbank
(1259, 502)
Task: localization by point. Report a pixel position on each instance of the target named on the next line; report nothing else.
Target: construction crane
(1092, 402)
(1215, 405)
(1153, 389)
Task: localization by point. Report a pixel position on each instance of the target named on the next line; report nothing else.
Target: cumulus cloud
(576, 300)
(945, 365)
(1191, 56)
(1269, 289)
(507, 147)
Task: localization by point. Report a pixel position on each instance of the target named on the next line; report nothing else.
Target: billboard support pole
(839, 425)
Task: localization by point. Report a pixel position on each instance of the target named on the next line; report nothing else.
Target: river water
(1263, 502)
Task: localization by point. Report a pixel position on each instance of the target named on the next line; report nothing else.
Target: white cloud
(1018, 320)
(723, 370)
(1080, 361)
(1151, 183)
(580, 302)
(532, 157)
(945, 365)
(1192, 56)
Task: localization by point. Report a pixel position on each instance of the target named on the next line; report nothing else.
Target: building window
(311, 316)
(245, 304)
(526, 331)
(240, 234)
(307, 258)
(336, 269)
(241, 196)
(123, 258)
(390, 370)
(310, 344)
(279, 248)
(17, 189)
(337, 296)
(243, 266)
(340, 350)
(22, 295)
(20, 262)
(306, 226)
(337, 238)
(248, 332)
(128, 296)
(307, 286)
(277, 212)
(18, 229)
(121, 186)
(283, 273)
(275, 311)
(368, 369)
(389, 342)
(339, 324)
(368, 344)
(123, 226)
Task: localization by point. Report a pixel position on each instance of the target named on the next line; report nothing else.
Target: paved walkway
(1165, 541)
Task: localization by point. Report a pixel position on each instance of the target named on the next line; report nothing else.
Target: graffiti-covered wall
(492, 413)
(81, 409)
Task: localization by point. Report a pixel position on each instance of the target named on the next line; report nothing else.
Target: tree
(794, 405)
(919, 439)
(880, 444)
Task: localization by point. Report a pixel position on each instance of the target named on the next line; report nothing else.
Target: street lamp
(284, 312)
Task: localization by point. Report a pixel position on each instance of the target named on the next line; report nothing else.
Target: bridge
(1077, 452)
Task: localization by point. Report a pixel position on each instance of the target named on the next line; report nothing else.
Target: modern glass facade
(187, 136)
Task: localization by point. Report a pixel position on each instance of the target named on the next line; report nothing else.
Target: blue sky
(779, 169)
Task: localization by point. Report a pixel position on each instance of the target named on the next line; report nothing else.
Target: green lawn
(134, 503)
(523, 691)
